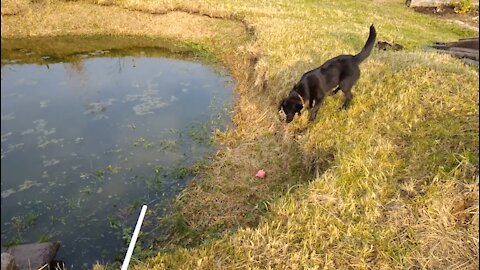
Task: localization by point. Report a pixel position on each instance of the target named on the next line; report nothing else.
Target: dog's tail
(367, 49)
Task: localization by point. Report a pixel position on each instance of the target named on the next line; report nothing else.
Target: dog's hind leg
(348, 99)
(346, 86)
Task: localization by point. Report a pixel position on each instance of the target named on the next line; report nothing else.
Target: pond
(87, 139)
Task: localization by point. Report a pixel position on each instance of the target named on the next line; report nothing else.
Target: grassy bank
(391, 183)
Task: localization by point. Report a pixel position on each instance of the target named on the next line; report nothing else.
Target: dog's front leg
(314, 110)
(334, 92)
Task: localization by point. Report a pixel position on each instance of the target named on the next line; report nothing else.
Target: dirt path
(469, 19)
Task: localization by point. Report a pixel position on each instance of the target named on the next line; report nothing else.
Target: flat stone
(427, 3)
(32, 256)
(8, 262)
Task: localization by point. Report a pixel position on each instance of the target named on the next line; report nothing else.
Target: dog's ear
(298, 108)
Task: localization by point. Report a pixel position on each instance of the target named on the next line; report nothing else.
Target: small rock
(386, 46)
(32, 256)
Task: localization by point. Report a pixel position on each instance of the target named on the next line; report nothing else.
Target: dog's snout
(289, 119)
(282, 115)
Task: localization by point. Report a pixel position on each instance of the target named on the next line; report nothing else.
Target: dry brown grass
(14, 7)
(240, 199)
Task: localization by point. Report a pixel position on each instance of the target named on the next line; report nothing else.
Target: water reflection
(84, 142)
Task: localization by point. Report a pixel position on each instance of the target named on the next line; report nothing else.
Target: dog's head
(291, 105)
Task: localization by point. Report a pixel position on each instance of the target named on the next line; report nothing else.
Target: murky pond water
(84, 144)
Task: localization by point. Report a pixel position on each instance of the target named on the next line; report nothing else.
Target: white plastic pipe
(133, 241)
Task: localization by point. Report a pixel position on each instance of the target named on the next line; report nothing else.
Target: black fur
(342, 71)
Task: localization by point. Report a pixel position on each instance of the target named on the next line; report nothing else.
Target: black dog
(342, 71)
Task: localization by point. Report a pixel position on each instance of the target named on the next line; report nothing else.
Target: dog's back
(345, 58)
(342, 71)
(343, 65)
